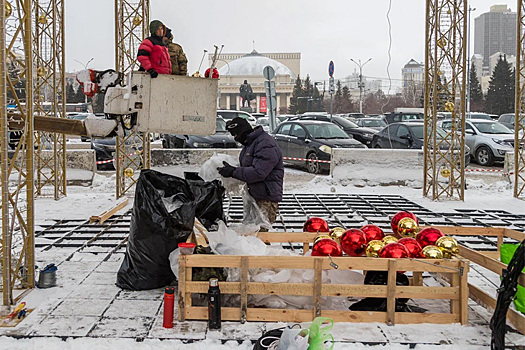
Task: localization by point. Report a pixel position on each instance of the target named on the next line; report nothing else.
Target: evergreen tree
(500, 97)
(71, 95)
(476, 94)
(79, 96)
(296, 98)
(338, 98)
(347, 106)
(317, 99)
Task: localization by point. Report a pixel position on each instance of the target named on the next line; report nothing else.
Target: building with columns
(235, 68)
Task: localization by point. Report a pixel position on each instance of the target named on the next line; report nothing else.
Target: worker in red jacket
(153, 53)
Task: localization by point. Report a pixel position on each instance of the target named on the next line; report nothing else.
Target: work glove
(227, 170)
(153, 73)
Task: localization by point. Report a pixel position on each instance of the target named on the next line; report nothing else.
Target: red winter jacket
(154, 54)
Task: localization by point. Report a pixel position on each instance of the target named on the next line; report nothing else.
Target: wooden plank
(318, 284)
(486, 262)
(455, 304)
(517, 235)
(181, 290)
(60, 125)
(417, 278)
(244, 294)
(283, 237)
(284, 315)
(306, 248)
(469, 231)
(391, 292)
(515, 317)
(490, 254)
(463, 288)
(108, 213)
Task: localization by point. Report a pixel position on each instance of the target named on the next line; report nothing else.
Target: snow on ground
(86, 274)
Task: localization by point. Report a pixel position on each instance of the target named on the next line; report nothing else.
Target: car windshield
(492, 128)
(326, 131)
(480, 116)
(373, 123)
(419, 132)
(345, 123)
(221, 125)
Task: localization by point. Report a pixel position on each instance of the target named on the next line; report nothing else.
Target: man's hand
(227, 170)
(153, 73)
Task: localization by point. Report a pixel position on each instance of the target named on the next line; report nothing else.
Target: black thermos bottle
(214, 305)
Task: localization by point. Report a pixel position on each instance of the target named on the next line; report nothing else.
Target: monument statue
(246, 93)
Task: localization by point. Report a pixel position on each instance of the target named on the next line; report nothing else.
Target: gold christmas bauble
(432, 252)
(373, 248)
(128, 172)
(448, 246)
(42, 19)
(8, 9)
(445, 172)
(449, 107)
(137, 20)
(389, 239)
(336, 233)
(407, 227)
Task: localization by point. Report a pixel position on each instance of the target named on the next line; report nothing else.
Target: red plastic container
(169, 305)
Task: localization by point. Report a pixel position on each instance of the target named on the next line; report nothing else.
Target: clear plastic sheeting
(252, 214)
(208, 172)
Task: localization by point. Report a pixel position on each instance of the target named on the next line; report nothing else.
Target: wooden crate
(456, 292)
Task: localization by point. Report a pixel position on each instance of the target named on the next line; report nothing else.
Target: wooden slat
(417, 278)
(108, 213)
(244, 294)
(391, 292)
(318, 284)
(517, 235)
(463, 288)
(515, 317)
(486, 262)
(470, 231)
(284, 315)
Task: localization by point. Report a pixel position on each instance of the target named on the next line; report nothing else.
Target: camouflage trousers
(269, 210)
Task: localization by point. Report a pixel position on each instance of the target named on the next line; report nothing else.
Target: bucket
(47, 277)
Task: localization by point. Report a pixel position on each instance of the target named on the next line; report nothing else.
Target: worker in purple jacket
(261, 166)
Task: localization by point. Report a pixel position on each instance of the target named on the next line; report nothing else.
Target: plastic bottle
(169, 303)
(214, 305)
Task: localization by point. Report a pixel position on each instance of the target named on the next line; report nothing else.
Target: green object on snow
(320, 334)
(506, 253)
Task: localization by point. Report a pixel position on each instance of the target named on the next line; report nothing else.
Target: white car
(230, 114)
(488, 140)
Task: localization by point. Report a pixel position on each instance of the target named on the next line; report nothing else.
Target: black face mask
(241, 138)
(239, 128)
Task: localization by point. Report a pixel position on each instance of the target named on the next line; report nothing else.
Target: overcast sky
(320, 30)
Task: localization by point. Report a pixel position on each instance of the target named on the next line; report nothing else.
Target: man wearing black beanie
(261, 166)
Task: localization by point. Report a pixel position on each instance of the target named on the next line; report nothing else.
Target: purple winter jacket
(261, 166)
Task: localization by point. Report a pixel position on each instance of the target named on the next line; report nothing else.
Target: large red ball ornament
(373, 233)
(353, 242)
(214, 75)
(414, 249)
(315, 225)
(428, 236)
(397, 217)
(325, 247)
(394, 250)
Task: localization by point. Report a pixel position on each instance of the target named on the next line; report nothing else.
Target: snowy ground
(86, 310)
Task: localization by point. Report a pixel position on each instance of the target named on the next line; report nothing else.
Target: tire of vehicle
(377, 146)
(484, 156)
(312, 166)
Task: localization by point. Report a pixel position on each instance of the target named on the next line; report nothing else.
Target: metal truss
(133, 149)
(49, 57)
(519, 125)
(445, 88)
(17, 242)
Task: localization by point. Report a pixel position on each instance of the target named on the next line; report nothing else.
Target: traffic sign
(268, 72)
(331, 86)
(331, 68)
(269, 87)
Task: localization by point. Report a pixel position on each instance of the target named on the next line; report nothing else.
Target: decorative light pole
(361, 85)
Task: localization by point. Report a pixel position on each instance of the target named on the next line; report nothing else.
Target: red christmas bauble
(354, 242)
(315, 225)
(428, 236)
(394, 250)
(373, 232)
(398, 216)
(325, 247)
(215, 74)
(414, 249)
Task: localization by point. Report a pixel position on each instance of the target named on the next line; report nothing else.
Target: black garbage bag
(379, 304)
(163, 216)
(209, 199)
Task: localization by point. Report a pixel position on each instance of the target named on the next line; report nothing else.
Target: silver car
(488, 140)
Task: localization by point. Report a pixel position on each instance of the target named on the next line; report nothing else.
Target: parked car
(408, 135)
(258, 115)
(478, 115)
(361, 134)
(403, 117)
(488, 140)
(373, 123)
(508, 119)
(105, 149)
(355, 116)
(221, 139)
(264, 122)
(313, 140)
(230, 114)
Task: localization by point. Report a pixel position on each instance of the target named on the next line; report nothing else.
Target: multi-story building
(413, 79)
(234, 68)
(495, 31)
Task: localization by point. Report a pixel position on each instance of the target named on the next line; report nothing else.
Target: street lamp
(319, 105)
(470, 9)
(361, 86)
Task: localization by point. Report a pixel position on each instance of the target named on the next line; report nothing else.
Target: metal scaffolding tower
(17, 243)
(519, 125)
(133, 149)
(445, 82)
(49, 90)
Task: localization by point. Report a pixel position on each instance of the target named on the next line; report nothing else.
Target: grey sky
(321, 30)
